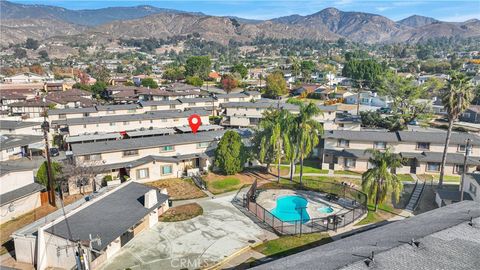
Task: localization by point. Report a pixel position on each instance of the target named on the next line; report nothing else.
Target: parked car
(384, 110)
(54, 152)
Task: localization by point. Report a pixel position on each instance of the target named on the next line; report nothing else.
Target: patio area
(202, 241)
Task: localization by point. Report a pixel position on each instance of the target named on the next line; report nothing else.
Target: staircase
(415, 197)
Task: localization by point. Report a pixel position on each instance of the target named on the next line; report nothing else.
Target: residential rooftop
(12, 125)
(445, 238)
(11, 141)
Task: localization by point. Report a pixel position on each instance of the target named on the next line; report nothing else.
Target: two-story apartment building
(20, 127)
(126, 122)
(345, 150)
(471, 186)
(150, 158)
(18, 146)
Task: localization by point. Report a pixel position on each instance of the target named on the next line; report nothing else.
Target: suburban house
(7, 98)
(238, 97)
(345, 150)
(126, 122)
(20, 127)
(369, 98)
(100, 224)
(471, 115)
(30, 108)
(18, 146)
(424, 241)
(19, 193)
(150, 158)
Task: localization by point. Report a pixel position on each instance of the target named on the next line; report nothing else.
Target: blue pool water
(325, 210)
(291, 208)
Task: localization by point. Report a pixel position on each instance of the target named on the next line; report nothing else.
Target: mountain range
(20, 21)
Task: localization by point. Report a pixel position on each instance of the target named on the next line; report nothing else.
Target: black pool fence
(352, 200)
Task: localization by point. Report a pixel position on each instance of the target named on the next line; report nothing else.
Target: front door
(413, 166)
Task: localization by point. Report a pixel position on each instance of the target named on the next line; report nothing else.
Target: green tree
(456, 99)
(42, 176)
(308, 132)
(276, 85)
(307, 68)
(149, 82)
(19, 53)
(198, 66)
(174, 73)
(98, 87)
(82, 86)
(230, 155)
(31, 44)
(240, 69)
(194, 80)
(43, 54)
(405, 95)
(367, 70)
(380, 180)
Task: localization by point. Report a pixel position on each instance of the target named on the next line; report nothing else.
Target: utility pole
(467, 153)
(51, 182)
(360, 82)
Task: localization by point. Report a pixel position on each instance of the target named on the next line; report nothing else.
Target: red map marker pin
(195, 122)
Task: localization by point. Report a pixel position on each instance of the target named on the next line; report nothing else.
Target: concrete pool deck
(268, 199)
(202, 241)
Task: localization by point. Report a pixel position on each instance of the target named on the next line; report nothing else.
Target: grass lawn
(405, 177)
(312, 182)
(291, 244)
(435, 177)
(179, 189)
(284, 170)
(7, 228)
(182, 212)
(310, 166)
(384, 212)
(218, 184)
(347, 173)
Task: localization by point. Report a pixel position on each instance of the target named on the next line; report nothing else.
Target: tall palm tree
(456, 98)
(380, 180)
(308, 132)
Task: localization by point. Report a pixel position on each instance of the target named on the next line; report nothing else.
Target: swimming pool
(291, 208)
(325, 210)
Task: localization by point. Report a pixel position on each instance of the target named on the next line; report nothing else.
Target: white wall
(15, 180)
(19, 207)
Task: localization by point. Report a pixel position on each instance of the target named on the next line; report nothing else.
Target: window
(350, 163)
(167, 169)
(128, 153)
(172, 106)
(466, 115)
(84, 126)
(92, 157)
(10, 150)
(433, 166)
(62, 116)
(379, 145)
(112, 124)
(423, 146)
(125, 123)
(86, 114)
(203, 145)
(458, 168)
(154, 107)
(242, 99)
(142, 173)
(164, 120)
(226, 100)
(473, 189)
(167, 148)
(176, 120)
(343, 143)
(191, 104)
(461, 148)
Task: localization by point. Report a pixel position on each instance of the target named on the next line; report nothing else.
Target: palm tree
(456, 98)
(308, 132)
(273, 136)
(380, 180)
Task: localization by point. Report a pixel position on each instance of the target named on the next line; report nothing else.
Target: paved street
(204, 240)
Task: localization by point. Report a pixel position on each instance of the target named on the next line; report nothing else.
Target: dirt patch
(179, 189)
(182, 212)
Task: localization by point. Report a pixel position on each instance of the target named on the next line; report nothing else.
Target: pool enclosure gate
(354, 201)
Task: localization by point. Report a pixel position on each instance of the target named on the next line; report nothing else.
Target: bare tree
(80, 175)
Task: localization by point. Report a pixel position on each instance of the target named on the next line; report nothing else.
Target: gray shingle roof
(6, 124)
(452, 158)
(147, 142)
(370, 136)
(446, 242)
(20, 193)
(151, 115)
(117, 107)
(159, 102)
(109, 217)
(72, 110)
(10, 141)
(262, 104)
(349, 153)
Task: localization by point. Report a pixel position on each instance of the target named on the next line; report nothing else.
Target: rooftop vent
(150, 198)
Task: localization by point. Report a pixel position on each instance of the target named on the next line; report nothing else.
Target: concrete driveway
(219, 232)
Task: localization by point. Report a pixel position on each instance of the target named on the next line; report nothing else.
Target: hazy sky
(266, 9)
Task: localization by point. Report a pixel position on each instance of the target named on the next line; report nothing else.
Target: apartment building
(345, 150)
(238, 97)
(20, 127)
(472, 186)
(150, 158)
(18, 146)
(126, 122)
